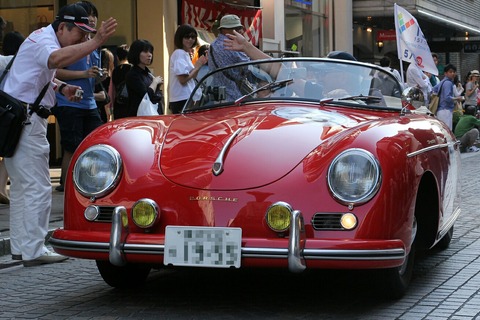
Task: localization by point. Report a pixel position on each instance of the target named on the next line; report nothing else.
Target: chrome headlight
(97, 170)
(354, 176)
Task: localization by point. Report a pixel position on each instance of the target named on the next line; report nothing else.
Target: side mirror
(413, 96)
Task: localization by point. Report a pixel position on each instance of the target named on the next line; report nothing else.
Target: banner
(203, 14)
(411, 43)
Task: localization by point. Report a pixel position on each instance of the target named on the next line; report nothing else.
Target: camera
(100, 73)
(79, 93)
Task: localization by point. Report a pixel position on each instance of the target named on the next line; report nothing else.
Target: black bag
(121, 96)
(13, 115)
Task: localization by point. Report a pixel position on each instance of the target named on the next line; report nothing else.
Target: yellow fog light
(144, 213)
(278, 216)
(348, 221)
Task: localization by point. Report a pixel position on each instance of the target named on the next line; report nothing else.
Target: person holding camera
(471, 89)
(182, 71)
(77, 119)
(35, 66)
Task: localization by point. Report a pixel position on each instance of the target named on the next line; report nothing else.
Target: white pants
(446, 116)
(30, 190)
(3, 178)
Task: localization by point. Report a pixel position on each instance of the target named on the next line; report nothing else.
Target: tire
(444, 243)
(129, 276)
(396, 280)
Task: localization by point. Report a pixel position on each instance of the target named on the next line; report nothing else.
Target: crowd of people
(88, 85)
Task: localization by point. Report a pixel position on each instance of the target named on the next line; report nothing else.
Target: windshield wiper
(272, 86)
(362, 98)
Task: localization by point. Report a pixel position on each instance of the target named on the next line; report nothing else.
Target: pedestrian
(431, 77)
(416, 78)
(467, 130)
(447, 97)
(11, 43)
(140, 79)
(471, 89)
(119, 87)
(182, 71)
(77, 119)
(385, 63)
(102, 87)
(44, 51)
(230, 47)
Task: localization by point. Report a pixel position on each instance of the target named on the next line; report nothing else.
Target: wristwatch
(63, 85)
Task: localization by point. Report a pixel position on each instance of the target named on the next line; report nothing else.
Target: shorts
(75, 124)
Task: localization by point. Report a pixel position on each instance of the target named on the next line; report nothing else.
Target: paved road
(446, 285)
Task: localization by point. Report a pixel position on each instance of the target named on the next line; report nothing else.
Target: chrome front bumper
(296, 253)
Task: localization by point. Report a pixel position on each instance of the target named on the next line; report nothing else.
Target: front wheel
(396, 280)
(129, 276)
(444, 243)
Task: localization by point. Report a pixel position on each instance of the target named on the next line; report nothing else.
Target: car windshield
(326, 81)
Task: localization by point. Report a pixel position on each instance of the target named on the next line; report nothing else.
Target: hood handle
(217, 168)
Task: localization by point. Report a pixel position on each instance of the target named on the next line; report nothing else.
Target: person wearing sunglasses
(182, 71)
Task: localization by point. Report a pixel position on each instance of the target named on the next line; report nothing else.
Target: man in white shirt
(44, 51)
(416, 78)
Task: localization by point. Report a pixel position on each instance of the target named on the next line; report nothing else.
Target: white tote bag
(147, 108)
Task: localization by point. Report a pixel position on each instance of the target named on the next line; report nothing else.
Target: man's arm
(67, 55)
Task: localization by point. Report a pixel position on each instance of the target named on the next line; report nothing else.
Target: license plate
(203, 247)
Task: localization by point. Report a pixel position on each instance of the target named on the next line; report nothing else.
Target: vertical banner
(202, 15)
(411, 43)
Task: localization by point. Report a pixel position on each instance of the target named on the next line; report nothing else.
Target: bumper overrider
(386, 253)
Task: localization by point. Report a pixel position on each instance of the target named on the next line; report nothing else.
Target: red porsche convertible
(292, 163)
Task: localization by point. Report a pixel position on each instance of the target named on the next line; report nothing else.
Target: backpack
(121, 96)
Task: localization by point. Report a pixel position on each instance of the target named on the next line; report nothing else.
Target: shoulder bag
(435, 100)
(13, 117)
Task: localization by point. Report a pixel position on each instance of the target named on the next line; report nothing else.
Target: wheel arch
(426, 211)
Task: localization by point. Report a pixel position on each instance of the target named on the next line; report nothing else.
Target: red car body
(278, 151)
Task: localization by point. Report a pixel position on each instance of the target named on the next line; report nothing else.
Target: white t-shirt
(29, 72)
(180, 64)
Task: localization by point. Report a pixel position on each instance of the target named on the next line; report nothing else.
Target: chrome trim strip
(268, 253)
(449, 224)
(296, 243)
(218, 164)
(437, 146)
(117, 238)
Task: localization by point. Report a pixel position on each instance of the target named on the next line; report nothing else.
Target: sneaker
(60, 188)
(4, 199)
(46, 258)
(473, 149)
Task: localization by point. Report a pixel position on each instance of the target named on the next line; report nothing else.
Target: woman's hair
(11, 42)
(107, 60)
(182, 31)
(203, 49)
(122, 52)
(137, 47)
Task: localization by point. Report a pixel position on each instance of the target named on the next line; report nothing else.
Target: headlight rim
(368, 195)
(106, 190)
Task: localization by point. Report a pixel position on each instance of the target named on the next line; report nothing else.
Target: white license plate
(203, 246)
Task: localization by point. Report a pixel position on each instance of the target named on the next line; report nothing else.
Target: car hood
(253, 147)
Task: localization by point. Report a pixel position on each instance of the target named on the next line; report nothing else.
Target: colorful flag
(411, 43)
(202, 15)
